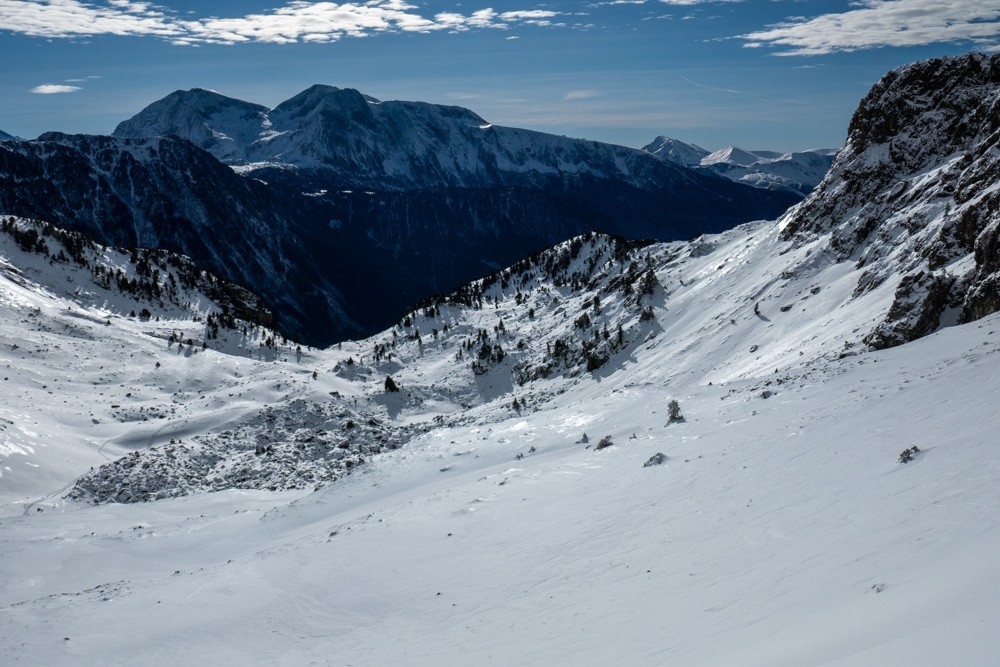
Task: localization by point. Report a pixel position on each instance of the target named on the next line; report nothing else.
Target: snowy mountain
(320, 201)
(5, 137)
(167, 194)
(613, 452)
(672, 150)
(328, 140)
(797, 172)
(355, 140)
(218, 124)
(793, 172)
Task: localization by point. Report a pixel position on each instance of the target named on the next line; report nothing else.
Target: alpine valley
(770, 444)
(340, 210)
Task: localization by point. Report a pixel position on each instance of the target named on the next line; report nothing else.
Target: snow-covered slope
(779, 526)
(687, 155)
(218, 124)
(526, 496)
(168, 194)
(797, 172)
(5, 137)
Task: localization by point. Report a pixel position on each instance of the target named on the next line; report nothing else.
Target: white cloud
(53, 89)
(688, 3)
(69, 18)
(876, 23)
(297, 21)
(581, 94)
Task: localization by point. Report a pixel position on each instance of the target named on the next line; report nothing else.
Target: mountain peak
(216, 123)
(731, 155)
(323, 95)
(672, 150)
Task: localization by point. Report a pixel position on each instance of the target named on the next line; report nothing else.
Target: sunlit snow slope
(779, 530)
(240, 500)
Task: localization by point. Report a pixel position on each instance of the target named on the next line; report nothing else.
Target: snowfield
(780, 529)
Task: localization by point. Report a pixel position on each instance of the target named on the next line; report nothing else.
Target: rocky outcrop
(911, 196)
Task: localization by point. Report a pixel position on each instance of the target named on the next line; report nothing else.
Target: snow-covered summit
(688, 155)
(733, 156)
(216, 123)
(5, 137)
(797, 172)
(355, 140)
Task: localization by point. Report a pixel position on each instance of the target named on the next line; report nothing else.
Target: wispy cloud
(733, 91)
(297, 21)
(581, 95)
(54, 89)
(878, 23)
(689, 3)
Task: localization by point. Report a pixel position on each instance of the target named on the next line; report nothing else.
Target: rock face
(912, 195)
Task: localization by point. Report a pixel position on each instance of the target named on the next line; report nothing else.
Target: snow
(769, 170)
(779, 529)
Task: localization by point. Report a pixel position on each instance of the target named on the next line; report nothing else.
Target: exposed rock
(656, 459)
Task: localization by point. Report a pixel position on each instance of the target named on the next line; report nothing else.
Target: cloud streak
(297, 21)
(581, 95)
(691, 3)
(881, 23)
(54, 89)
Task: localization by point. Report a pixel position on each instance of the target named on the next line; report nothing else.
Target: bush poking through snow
(656, 459)
(605, 442)
(674, 411)
(907, 454)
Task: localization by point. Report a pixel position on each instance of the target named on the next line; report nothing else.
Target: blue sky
(774, 74)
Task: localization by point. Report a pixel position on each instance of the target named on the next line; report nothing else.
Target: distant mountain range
(342, 210)
(797, 172)
(4, 136)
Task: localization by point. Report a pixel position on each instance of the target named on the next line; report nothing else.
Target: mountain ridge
(797, 172)
(332, 203)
